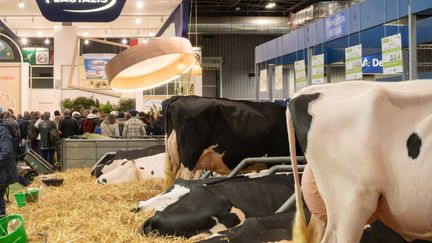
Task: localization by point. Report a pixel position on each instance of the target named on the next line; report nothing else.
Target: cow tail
(169, 175)
(299, 226)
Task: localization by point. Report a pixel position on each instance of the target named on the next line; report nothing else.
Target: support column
(65, 38)
(139, 101)
(412, 35)
(405, 60)
(270, 81)
(257, 92)
(309, 65)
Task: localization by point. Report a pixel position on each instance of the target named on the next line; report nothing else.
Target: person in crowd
(120, 121)
(14, 131)
(143, 117)
(98, 128)
(32, 132)
(127, 116)
(19, 117)
(57, 118)
(90, 122)
(12, 113)
(47, 146)
(79, 119)
(110, 127)
(69, 125)
(133, 127)
(8, 168)
(23, 126)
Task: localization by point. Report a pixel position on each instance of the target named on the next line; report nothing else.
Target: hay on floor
(83, 211)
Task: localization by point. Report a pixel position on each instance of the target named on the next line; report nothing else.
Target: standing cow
(216, 134)
(369, 146)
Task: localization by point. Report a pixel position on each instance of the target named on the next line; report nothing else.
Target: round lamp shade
(150, 65)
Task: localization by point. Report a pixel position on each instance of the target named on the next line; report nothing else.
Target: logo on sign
(98, 64)
(372, 64)
(81, 10)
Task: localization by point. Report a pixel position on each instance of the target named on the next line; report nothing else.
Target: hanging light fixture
(147, 66)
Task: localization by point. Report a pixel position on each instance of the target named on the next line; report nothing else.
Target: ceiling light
(86, 34)
(47, 41)
(147, 66)
(138, 21)
(145, 41)
(86, 42)
(21, 4)
(124, 41)
(139, 5)
(24, 41)
(40, 33)
(270, 5)
(237, 8)
(152, 34)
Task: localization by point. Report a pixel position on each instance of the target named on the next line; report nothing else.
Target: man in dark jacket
(46, 146)
(23, 126)
(68, 126)
(8, 169)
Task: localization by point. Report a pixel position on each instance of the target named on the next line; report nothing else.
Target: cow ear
(230, 220)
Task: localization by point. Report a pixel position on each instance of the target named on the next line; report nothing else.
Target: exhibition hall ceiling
(139, 18)
(252, 7)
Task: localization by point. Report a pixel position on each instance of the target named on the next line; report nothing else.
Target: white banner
(353, 62)
(263, 80)
(392, 54)
(318, 69)
(300, 74)
(278, 77)
(95, 65)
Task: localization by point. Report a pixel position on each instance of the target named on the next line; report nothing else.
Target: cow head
(197, 212)
(127, 171)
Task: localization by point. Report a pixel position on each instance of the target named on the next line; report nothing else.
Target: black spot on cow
(141, 168)
(123, 163)
(413, 145)
(104, 180)
(299, 108)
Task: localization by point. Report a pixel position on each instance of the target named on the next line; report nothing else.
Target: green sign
(353, 62)
(392, 54)
(29, 55)
(300, 74)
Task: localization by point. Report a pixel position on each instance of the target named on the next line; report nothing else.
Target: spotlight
(86, 42)
(40, 33)
(138, 21)
(151, 33)
(139, 5)
(124, 41)
(24, 41)
(47, 41)
(21, 4)
(270, 5)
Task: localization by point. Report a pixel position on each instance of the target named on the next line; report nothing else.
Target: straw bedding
(83, 211)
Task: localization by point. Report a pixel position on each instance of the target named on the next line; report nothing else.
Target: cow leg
(172, 159)
(348, 215)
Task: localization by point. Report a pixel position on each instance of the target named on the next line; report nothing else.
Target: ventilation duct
(316, 11)
(242, 25)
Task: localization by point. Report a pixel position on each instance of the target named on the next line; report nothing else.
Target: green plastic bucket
(18, 236)
(20, 198)
(32, 195)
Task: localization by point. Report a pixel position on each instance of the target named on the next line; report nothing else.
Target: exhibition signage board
(392, 54)
(81, 10)
(336, 26)
(263, 80)
(372, 64)
(10, 79)
(6, 52)
(318, 69)
(279, 77)
(353, 62)
(300, 74)
(95, 65)
(39, 56)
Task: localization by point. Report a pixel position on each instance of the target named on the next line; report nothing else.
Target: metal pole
(309, 65)
(264, 160)
(412, 36)
(256, 82)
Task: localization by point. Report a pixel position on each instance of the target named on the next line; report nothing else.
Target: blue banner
(372, 64)
(336, 25)
(81, 11)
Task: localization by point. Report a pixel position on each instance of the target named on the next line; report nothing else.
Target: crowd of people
(41, 132)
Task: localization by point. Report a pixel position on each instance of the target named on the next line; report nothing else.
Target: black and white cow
(218, 205)
(216, 134)
(111, 162)
(369, 148)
